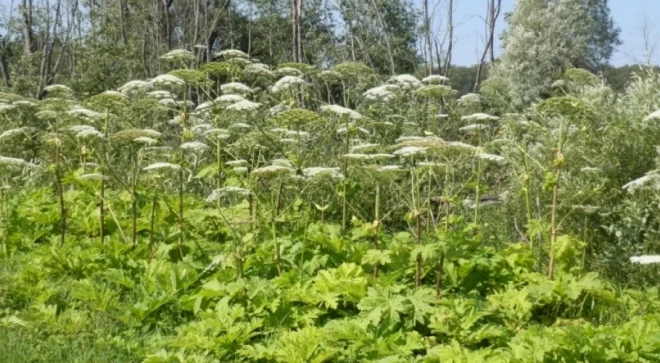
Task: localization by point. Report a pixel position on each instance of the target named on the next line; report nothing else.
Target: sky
(629, 15)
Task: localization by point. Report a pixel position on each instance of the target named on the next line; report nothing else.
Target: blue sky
(628, 14)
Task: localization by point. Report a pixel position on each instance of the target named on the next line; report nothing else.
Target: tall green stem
(60, 188)
(345, 171)
(377, 227)
(151, 226)
(478, 187)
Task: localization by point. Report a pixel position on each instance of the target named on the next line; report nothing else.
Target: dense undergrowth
(192, 218)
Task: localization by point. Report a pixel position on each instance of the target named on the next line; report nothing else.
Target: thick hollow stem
(134, 217)
(478, 192)
(102, 211)
(553, 225)
(277, 246)
(344, 208)
(438, 279)
(377, 228)
(418, 261)
(181, 210)
(60, 194)
(151, 226)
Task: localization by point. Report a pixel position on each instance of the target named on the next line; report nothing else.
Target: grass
(18, 346)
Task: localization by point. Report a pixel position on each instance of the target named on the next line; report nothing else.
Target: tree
(546, 37)
(494, 10)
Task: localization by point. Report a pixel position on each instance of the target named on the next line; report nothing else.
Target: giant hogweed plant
(242, 213)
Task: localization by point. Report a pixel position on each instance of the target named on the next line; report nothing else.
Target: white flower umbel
(158, 149)
(282, 162)
(244, 106)
(145, 140)
(653, 116)
(160, 166)
(24, 103)
(226, 191)
(473, 128)
(232, 53)
(93, 177)
(461, 146)
(409, 138)
(151, 133)
(341, 111)
(201, 129)
(469, 99)
(374, 157)
(167, 80)
(90, 133)
(237, 163)
(288, 83)
(235, 88)
(188, 104)
(301, 134)
(435, 79)
(275, 110)
(321, 172)
(492, 158)
(6, 108)
(178, 55)
(160, 95)
(168, 102)
(229, 99)
(406, 81)
(479, 117)
(219, 134)
(7, 161)
(239, 126)
(194, 146)
(273, 170)
(14, 132)
(85, 113)
(410, 151)
(114, 94)
(364, 147)
(60, 88)
(382, 93)
(651, 181)
(589, 169)
(288, 71)
(46, 115)
(258, 70)
(645, 259)
(79, 128)
(204, 106)
(135, 87)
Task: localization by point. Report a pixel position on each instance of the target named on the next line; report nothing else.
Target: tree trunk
(122, 25)
(427, 28)
(388, 43)
(296, 22)
(26, 11)
(450, 36)
(493, 14)
(4, 65)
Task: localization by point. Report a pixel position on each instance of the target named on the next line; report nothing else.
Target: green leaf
(376, 257)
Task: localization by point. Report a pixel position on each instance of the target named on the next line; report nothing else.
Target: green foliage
(339, 230)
